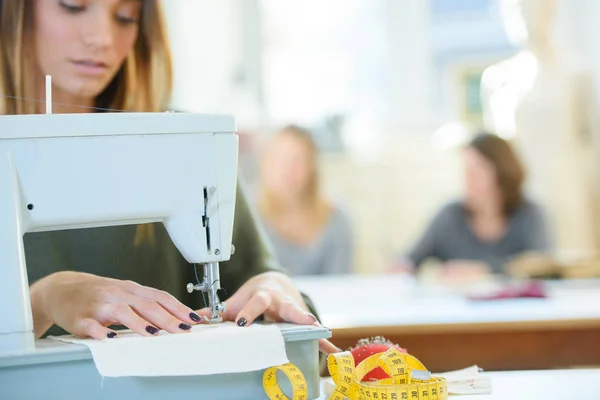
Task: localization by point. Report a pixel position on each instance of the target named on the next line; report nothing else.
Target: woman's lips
(90, 67)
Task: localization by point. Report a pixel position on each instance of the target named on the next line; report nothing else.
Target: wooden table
(446, 331)
(538, 385)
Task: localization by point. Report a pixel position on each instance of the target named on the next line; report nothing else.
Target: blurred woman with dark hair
(493, 223)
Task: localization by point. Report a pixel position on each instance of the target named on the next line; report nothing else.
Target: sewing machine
(89, 170)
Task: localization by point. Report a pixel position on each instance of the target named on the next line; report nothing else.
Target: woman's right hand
(85, 305)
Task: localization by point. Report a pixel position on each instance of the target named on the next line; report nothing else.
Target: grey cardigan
(449, 237)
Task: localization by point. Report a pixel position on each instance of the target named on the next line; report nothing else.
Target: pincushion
(367, 347)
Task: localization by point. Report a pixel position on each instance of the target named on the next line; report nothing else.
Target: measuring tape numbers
(408, 379)
(296, 378)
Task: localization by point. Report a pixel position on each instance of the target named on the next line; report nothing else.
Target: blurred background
(390, 91)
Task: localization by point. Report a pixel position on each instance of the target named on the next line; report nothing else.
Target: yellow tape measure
(409, 379)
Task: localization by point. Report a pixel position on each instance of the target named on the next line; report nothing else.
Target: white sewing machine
(62, 171)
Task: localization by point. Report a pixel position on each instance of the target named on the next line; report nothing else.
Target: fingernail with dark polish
(312, 316)
(195, 317)
(111, 335)
(151, 330)
(242, 321)
(185, 327)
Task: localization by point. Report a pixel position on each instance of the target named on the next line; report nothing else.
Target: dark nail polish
(185, 327)
(195, 317)
(242, 321)
(312, 316)
(151, 330)
(111, 335)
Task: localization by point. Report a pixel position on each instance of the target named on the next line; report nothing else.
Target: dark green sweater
(110, 252)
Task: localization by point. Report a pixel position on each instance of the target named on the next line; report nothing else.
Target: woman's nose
(97, 32)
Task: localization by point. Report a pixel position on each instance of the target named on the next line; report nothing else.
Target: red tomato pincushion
(366, 348)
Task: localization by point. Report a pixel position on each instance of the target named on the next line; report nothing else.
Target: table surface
(347, 302)
(539, 385)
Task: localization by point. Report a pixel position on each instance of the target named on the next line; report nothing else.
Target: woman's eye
(127, 20)
(129, 14)
(72, 8)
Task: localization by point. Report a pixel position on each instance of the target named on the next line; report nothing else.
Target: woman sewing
(494, 222)
(113, 55)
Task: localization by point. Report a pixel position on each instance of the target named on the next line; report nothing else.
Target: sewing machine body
(88, 170)
(81, 171)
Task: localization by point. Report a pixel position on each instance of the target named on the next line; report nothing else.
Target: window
(323, 60)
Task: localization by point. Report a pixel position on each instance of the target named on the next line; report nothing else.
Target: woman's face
(83, 43)
(481, 182)
(287, 167)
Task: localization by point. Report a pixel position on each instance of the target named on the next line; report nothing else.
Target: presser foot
(214, 304)
(214, 320)
(216, 314)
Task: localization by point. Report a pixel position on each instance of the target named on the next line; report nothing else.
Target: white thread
(62, 104)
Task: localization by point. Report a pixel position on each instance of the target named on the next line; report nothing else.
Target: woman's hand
(85, 304)
(273, 295)
(399, 268)
(464, 271)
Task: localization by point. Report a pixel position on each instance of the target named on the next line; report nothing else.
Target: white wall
(218, 60)
(215, 57)
(411, 66)
(578, 31)
(204, 45)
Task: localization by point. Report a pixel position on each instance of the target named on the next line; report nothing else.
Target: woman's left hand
(273, 295)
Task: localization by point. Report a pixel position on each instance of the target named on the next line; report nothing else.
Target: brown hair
(268, 204)
(509, 170)
(143, 83)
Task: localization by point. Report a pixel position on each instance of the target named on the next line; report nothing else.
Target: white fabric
(207, 349)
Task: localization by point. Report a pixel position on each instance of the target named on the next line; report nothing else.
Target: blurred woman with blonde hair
(310, 235)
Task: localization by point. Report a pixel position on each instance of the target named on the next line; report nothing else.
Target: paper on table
(467, 381)
(207, 349)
